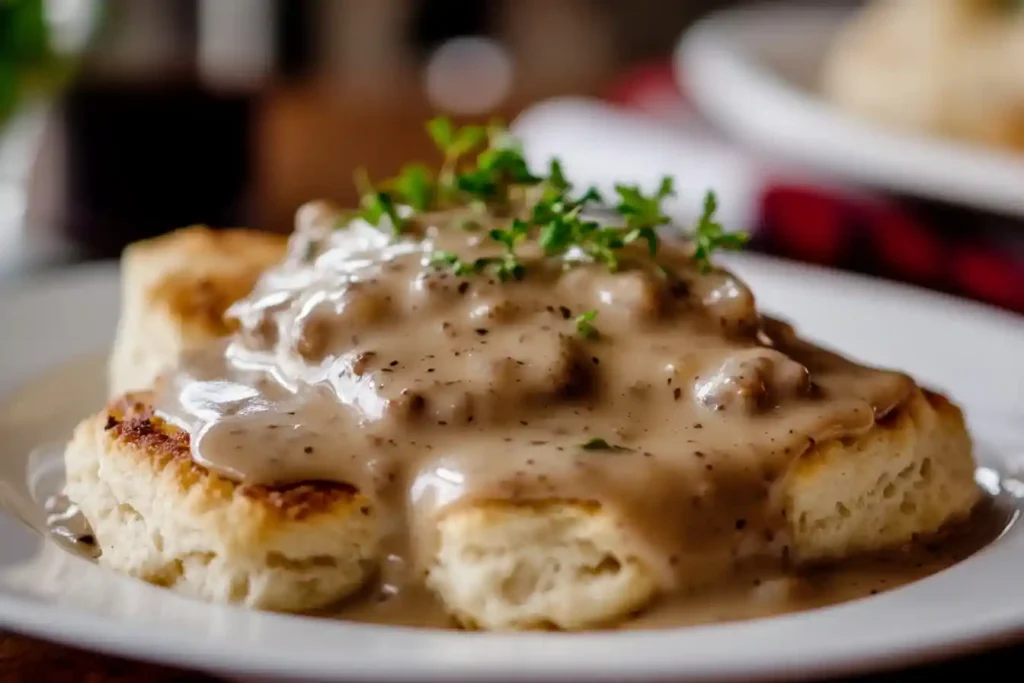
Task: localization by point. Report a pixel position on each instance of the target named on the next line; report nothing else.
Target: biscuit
(557, 564)
(159, 517)
(174, 291)
(911, 475)
(942, 67)
(499, 565)
(506, 566)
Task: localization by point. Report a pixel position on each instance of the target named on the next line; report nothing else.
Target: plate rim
(169, 645)
(115, 637)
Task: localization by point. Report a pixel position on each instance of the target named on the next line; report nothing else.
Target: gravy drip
(761, 589)
(357, 361)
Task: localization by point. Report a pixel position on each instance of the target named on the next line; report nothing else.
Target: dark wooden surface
(27, 660)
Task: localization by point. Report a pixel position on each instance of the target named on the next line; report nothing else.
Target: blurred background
(122, 119)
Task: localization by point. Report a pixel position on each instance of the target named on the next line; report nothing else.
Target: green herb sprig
(415, 186)
(376, 204)
(454, 144)
(709, 235)
(585, 325)
(644, 214)
(483, 167)
(562, 226)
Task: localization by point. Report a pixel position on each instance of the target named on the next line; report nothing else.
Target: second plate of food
(916, 98)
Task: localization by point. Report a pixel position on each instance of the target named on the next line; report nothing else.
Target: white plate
(753, 72)
(970, 351)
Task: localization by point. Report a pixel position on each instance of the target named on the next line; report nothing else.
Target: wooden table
(26, 660)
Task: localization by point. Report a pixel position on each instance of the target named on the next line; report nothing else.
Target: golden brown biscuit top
(201, 271)
(131, 422)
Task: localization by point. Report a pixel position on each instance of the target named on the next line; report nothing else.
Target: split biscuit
(159, 517)
(499, 565)
(513, 566)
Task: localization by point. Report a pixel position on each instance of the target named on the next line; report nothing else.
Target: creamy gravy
(357, 361)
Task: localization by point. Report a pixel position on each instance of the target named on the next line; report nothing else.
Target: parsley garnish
(485, 168)
(508, 264)
(415, 187)
(375, 204)
(454, 144)
(709, 234)
(442, 259)
(644, 214)
(505, 267)
(560, 225)
(556, 182)
(585, 325)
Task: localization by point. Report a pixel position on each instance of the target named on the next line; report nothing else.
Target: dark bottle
(150, 141)
(143, 158)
